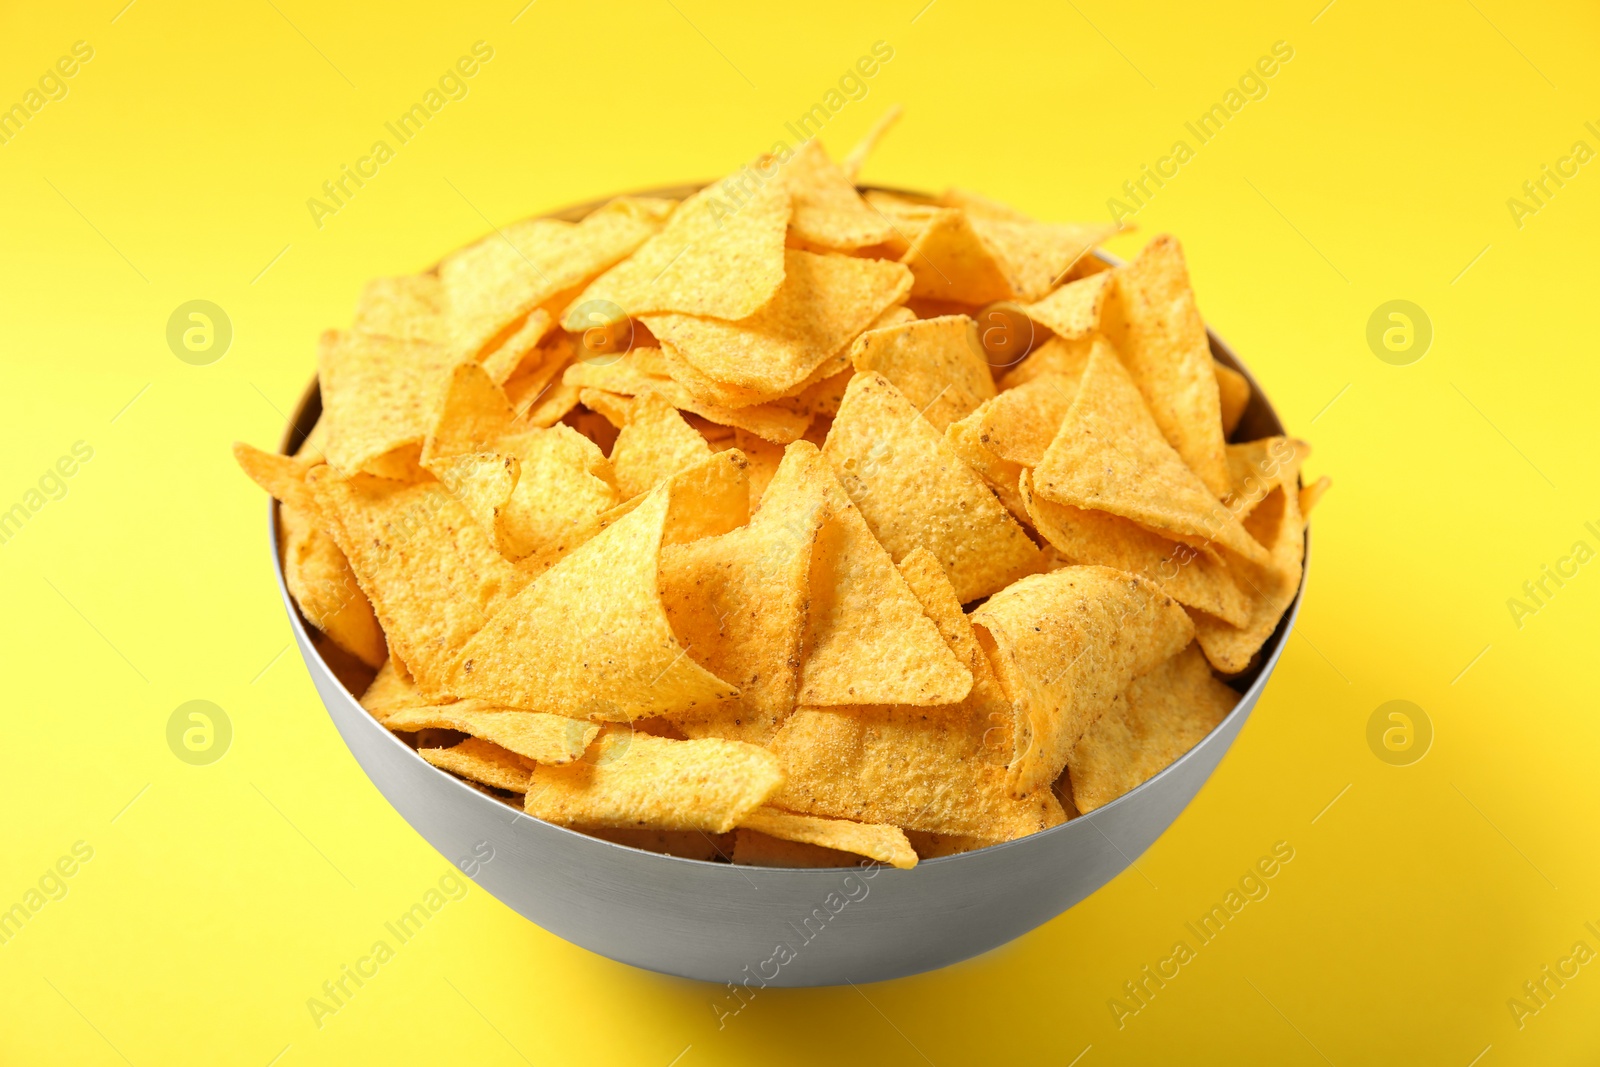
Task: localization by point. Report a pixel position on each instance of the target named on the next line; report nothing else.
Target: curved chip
(913, 491)
(589, 637)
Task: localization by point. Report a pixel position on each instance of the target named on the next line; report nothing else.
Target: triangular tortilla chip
(827, 210)
(482, 761)
(471, 415)
(720, 254)
(1072, 311)
(914, 492)
(433, 575)
(1037, 256)
(325, 588)
(504, 359)
(654, 443)
(824, 302)
(1064, 645)
(390, 691)
(1233, 394)
(933, 362)
(1109, 455)
(1311, 494)
(886, 844)
(867, 638)
(1160, 716)
(410, 307)
(563, 485)
(378, 395)
(917, 768)
(1021, 423)
(950, 262)
(1000, 475)
(1163, 342)
(1196, 578)
(550, 739)
(1278, 524)
(492, 286)
(284, 477)
(738, 601)
(1255, 468)
(631, 779)
(589, 637)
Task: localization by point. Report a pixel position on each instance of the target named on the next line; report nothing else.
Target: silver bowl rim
(1264, 666)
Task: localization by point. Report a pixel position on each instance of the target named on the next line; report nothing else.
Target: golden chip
(1163, 341)
(1162, 714)
(932, 362)
(631, 779)
(914, 492)
(886, 844)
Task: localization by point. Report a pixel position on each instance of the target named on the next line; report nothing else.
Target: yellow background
(1378, 167)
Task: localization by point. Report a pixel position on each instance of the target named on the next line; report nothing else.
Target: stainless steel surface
(720, 923)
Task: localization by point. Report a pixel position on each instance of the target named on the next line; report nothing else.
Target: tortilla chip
(472, 414)
(1163, 342)
(1278, 524)
(930, 582)
(391, 690)
(779, 425)
(867, 638)
(1056, 356)
(629, 779)
(504, 359)
(918, 768)
(539, 376)
(999, 475)
(492, 286)
(1196, 578)
(433, 575)
(1255, 468)
(907, 216)
(1019, 426)
(914, 491)
(563, 486)
(858, 155)
(932, 362)
(1233, 395)
(410, 307)
(325, 588)
(378, 395)
(1109, 455)
(589, 637)
(685, 844)
(1073, 311)
(821, 396)
(824, 302)
(738, 601)
(482, 761)
(1160, 716)
(551, 739)
(751, 848)
(1064, 645)
(284, 477)
(886, 844)
(720, 254)
(654, 444)
(1311, 494)
(827, 210)
(949, 261)
(1035, 257)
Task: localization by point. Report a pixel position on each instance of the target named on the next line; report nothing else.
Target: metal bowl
(760, 926)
